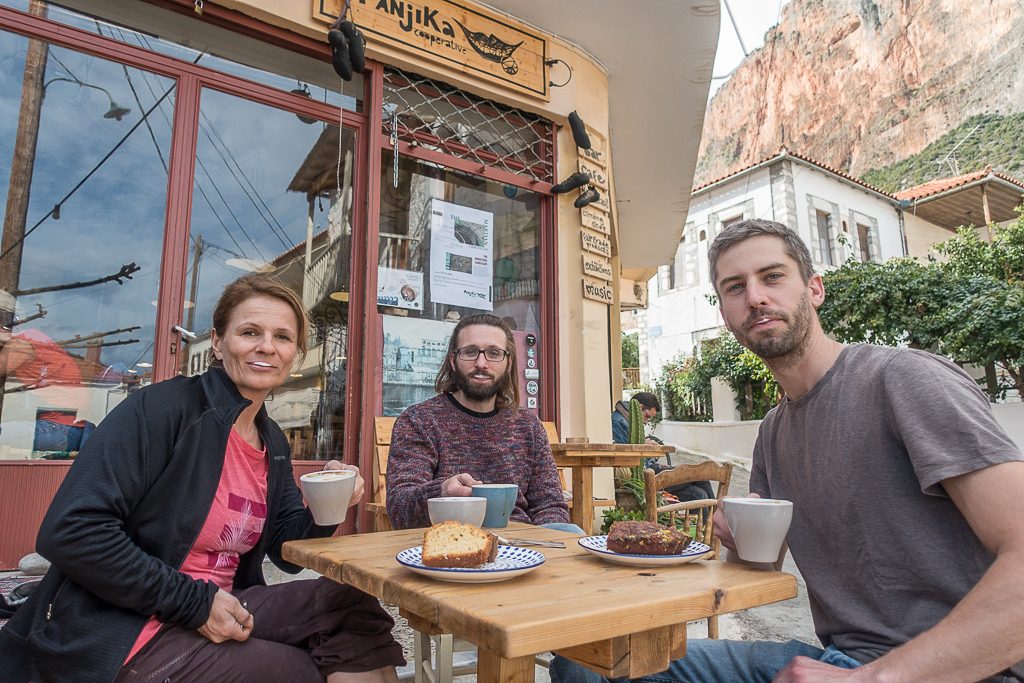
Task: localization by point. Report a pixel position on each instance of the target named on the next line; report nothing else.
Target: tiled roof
(934, 187)
(782, 154)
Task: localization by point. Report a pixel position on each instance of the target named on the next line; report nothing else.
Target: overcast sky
(753, 17)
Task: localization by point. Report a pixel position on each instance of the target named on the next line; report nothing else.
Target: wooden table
(582, 458)
(618, 620)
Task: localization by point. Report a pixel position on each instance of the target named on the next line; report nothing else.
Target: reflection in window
(83, 149)
(268, 197)
(451, 245)
(190, 39)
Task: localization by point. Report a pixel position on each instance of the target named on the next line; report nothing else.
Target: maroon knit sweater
(437, 439)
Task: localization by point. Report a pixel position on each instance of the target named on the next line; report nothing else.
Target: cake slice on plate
(454, 544)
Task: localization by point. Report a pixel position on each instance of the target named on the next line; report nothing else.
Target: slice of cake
(454, 544)
(646, 538)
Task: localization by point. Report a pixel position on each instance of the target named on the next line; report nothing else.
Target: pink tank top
(231, 529)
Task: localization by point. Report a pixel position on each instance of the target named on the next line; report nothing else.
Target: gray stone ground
(781, 621)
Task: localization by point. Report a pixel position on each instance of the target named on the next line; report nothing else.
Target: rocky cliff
(861, 84)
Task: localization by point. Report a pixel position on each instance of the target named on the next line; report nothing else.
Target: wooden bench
(382, 427)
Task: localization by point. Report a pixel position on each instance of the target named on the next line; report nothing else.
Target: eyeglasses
(472, 353)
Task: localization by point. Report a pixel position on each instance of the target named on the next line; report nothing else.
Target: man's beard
(475, 391)
(791, 341)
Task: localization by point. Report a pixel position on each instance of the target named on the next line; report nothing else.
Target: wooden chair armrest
(689, 505)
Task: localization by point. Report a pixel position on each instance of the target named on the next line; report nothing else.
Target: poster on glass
(461, 255)
(414, 349)
(399, 288)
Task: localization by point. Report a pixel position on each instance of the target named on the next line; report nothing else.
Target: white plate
(598, 545)
(510, 563)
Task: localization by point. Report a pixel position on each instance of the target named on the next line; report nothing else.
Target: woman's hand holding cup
(358, 489)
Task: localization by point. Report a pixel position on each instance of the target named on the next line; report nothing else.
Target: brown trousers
(302, 631)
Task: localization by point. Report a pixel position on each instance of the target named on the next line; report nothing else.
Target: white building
(836, 215)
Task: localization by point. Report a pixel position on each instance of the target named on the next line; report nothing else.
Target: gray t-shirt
(884, 551)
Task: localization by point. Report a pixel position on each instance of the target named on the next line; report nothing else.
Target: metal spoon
(523, 542)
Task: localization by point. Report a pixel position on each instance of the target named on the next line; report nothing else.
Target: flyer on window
(399, 288)
(461, 255)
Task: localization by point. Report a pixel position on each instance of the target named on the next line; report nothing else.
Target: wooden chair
(699, 513)
(382, 427)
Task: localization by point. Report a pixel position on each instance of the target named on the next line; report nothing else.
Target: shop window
(275, 195)
(451, 245)
(440, 117)
(83, 148)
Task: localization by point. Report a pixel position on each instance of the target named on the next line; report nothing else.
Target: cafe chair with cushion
(693, 514)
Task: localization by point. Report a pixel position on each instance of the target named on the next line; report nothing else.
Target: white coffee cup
(465, 509)
(328, 494)
(758, 526)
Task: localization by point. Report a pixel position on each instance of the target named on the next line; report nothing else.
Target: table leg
(583, 498)
(491, 668)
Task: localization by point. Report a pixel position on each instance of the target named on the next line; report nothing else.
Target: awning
(659, 55)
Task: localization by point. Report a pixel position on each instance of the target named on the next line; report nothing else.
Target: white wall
(845, 198)
(677, 319)
(1011, 417)
(734, 441)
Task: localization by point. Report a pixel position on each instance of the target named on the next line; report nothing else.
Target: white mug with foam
(758, 526)
(328, 494)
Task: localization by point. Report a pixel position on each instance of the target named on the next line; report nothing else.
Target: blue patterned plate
(510, 563)
(598, 545)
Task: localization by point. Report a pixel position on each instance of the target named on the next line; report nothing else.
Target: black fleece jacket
(123, 521)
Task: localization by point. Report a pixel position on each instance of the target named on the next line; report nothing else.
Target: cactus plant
(636, 421)
(631, 479)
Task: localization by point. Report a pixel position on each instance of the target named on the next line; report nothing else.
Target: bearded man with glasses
(473, 432)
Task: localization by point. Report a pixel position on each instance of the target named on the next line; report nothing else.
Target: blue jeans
(53, 436)
(563, 526)
(717, 661)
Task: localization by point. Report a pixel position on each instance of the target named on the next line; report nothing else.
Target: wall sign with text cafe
(475, 41)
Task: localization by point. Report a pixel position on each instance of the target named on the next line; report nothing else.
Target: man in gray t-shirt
(908, 498)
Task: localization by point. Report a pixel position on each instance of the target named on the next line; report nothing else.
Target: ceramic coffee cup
(501, 500)
(328, 494)
(465, 509)
(758, 526)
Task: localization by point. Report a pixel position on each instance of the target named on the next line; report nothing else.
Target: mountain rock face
(861, 84)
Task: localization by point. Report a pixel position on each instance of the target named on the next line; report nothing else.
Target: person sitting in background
(474, 432)
(650, 406)
(158, 533)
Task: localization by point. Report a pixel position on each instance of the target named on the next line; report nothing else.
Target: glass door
(273, 194)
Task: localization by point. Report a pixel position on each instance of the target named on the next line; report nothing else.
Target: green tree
(630, 351)
(967, 308)
(687, 379)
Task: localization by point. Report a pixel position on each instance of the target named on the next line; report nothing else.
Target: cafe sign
(595, 244)
(597, 266)
(472, 40)
(596, 290)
